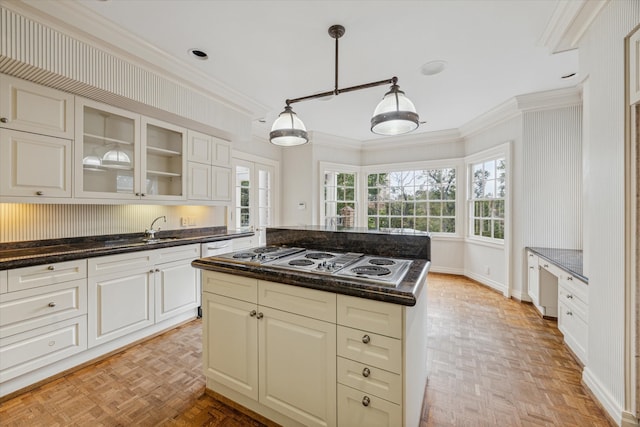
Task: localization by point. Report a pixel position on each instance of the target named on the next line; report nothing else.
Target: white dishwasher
(211, 249)
(216, 248)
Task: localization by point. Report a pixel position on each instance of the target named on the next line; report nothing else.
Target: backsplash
(20, 222)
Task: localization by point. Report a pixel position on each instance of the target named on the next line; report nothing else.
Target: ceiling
(273, 50)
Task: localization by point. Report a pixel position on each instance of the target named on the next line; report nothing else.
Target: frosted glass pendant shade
(288, 130)
(116, 157)
(395, 114)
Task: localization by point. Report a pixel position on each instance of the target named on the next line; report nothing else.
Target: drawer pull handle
(51, 268)
(569, 296)
(157, 270)
(366, 339)
(39, 193)
(569, 313)
(4, 120)
(253, 313)
(366, 401)
(546, 266)
(52, 343)
(569, 278)
(366, 372)
(260, 315)
(52, 304)
(151, 271)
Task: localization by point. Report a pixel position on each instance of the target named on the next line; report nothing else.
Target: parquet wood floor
(492, 362)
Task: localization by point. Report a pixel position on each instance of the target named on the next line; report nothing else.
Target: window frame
(455, 163)
(325, 167)
(502, 151)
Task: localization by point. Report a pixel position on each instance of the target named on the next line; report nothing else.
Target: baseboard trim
(447, 270)
(612, 409)
(486, 281)
(628, 420)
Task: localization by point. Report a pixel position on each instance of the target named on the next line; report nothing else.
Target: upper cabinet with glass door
(163, 162)
(107, 152)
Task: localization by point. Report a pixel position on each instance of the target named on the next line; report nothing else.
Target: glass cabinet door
(164, 162)
(107, 147)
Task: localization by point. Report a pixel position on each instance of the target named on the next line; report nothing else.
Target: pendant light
(394, 115)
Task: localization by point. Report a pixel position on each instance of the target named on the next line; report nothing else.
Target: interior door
(253, 197)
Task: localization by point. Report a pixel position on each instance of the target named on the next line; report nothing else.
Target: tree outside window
(340, 205)
(487, 198)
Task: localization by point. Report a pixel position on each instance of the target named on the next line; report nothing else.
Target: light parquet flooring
(492, 362)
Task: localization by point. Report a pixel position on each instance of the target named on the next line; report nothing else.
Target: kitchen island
(309, 347)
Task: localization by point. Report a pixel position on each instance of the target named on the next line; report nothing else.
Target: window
(487, 198)
(340, 199)
(422, 200)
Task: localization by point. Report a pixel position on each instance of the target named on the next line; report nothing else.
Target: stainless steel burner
(371, 270)
(319, 255)
(381, 261)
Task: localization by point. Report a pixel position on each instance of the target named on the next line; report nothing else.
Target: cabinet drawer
(32, 308)
(575, 330)
(532, 259)
(375, 316)
(46, 274)
(25, 352)
(119, 263)
(358, 409)
(371, 349)
(177, 253)
(370, 380)
(556, 271)
(574, 287)
(293, 299)
(229, 285)
(572, 300)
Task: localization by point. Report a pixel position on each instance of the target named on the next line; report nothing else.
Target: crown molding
(514, 107)
(72, 18)
(569, 22)
(413, 140)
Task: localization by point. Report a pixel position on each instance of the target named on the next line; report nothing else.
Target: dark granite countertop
(404, 294)
(570, 260)
(37, 252)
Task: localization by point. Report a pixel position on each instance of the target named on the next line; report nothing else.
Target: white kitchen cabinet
(209, 168)
(33, 165)
(42, 317)
(177, 288)
(164, 164)
(322, 358)
(252, 353)
(542, 285)
(29, 107)
(573, 314)
(533, 281)
(4, 282)
(107, 152)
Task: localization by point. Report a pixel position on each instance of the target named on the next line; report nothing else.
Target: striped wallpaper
(19, 222)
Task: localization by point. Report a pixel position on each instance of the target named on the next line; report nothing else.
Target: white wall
(602, 63)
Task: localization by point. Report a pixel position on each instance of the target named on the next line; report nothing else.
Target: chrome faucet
(150, 233)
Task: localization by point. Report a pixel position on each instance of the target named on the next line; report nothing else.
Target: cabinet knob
(366, 372)
(531, 267)
(253, 313)
(569, 313)
(52, 304)
(569, 296)
(39, 193)
(52, 343)
(157, 270)
(138, 194)
(366, 401)
(260, 315)
(142, 194)
(51, 267)
(366, 339)
(4, 120)
(151, 271)
(546, 266)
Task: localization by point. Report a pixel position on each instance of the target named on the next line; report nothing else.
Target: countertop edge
(324, 283)
(537, 251)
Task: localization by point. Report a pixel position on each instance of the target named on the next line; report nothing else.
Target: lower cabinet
(573, 314)
(279, 359)
(306, 357)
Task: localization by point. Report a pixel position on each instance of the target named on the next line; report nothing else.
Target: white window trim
(343, 168)
(455, 163)
(502, 150)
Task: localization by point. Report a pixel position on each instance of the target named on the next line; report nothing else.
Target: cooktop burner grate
(381, 261)
(319, 255)
(300, 262)
(266, 249)
(371, 270)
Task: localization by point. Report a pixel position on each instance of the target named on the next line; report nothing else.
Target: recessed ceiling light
(433, 67)
(568, 76)
(199, 54)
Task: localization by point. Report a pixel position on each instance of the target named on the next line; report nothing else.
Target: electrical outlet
(192, 220)
(183, 221)
(487, 270)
